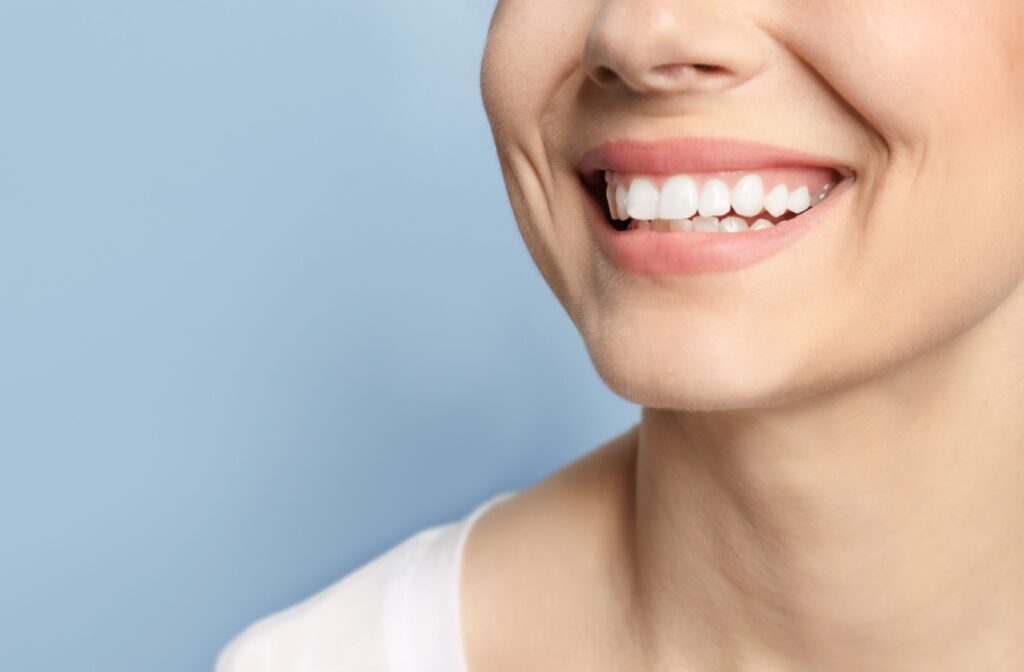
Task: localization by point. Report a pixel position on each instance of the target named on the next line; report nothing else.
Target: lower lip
(647, 252)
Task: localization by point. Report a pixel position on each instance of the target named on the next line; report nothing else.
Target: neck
(877, 528)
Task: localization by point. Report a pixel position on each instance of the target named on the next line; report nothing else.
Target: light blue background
(265, 313)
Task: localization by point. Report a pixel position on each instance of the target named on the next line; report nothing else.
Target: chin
(672, 362)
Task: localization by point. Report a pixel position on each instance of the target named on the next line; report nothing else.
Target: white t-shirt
(397, 613)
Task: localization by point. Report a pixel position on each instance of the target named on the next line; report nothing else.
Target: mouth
(719, 202)
(694, 193)
(705, 185)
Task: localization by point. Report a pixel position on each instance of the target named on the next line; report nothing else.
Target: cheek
(938, 81)
(533, 45)
(528, 68)
(916, 66)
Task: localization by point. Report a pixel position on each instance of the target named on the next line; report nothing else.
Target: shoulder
(534, 566)
(348, 625)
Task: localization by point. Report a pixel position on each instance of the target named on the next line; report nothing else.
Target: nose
(671, 46)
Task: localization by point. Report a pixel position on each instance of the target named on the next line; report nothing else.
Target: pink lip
(690, 253)
(695, 155)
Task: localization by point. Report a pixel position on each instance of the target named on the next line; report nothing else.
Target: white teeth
(777, 200)
(731, 224)
(679, 198)
(799, 200)
(714, 198)
(748, 196)
(734, 224)
(642, 201)
(620, 202)
(706, 224)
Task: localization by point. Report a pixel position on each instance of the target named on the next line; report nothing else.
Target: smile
(719, 202)
(699, 205)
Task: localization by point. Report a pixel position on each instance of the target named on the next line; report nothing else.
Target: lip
(688, 253)
(697, 155)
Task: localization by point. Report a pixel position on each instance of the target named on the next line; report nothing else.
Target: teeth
(679, 198)
(673, 207)
(731, 224)
(714, 198)
(748, 196)
(799, 200)
(620, 202)
(734, 224)
(706, 224)
(642, 201)
(777, 200)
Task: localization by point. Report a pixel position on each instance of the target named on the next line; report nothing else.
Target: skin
(829, 469)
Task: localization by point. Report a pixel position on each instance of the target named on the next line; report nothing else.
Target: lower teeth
(700, 225)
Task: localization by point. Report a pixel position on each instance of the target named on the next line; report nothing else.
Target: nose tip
(666, 46)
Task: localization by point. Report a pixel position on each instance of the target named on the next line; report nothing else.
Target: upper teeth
(681, 197)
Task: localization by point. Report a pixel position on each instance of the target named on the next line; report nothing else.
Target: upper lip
(695, 155)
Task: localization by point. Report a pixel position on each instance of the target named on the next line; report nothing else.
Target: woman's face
(913, 109)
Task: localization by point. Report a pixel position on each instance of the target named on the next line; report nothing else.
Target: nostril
(605, 75)
(667, 74)
(681, 70)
